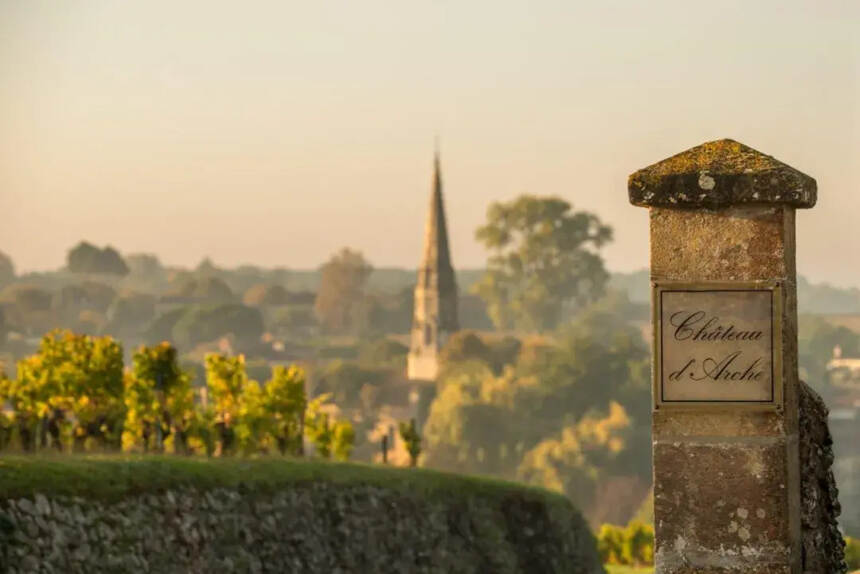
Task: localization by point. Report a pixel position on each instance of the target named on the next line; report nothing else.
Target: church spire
(436, 290)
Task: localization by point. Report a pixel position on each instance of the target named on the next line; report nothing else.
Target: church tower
(435, 316)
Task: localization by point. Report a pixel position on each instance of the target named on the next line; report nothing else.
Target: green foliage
(226, 380)
(161, 328)
(340, 299)
(343, 440)
(543, 260)
(817, 341)
(577, 459)
(252, 428)
(87, 258)
(285, 403)
(159, 401)
(71, 377)
(640, 543)
(130, 313)
(208, 323)
(412, 438)
(345, 379)
(568, 413)
(852, 552)
(109, 478)
(465, 346)
(611, 543)
(74, 390)
(632, 545)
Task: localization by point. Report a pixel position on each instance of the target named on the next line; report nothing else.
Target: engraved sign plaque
(717, 344)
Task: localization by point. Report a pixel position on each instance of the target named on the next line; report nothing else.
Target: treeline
(75, 394)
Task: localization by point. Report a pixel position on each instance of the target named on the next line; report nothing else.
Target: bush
(631, 546)
(610, 544)
(159, 514)
(852, 552)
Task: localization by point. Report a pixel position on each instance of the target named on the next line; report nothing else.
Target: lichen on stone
(719, 174)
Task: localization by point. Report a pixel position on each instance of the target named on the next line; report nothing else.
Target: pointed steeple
(436, 290)
(437, 255)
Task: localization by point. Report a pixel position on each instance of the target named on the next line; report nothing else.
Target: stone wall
(822, 542)
(313, 527)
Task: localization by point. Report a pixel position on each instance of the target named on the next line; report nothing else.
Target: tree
(253, 426)
(412, 439)
(226, 379)
(75, 375)
(285, 402)
(317, 426)
(158, 399)
(87, 258)
(145, 270)
(263, 294)
(209, 322)
(580, 456)
(73, 300)
(818, 342)
(465, 346)
(345, 379)
(7, 269)
(343, 440)
(640, 543)
(340, 299)
(207, 288)
(144, 264)
(478, 421)
(26, 397)
(544, 259)
(611, 544)
(27, 298)
(129, 314)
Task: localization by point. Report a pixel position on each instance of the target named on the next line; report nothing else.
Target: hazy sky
(276, 132)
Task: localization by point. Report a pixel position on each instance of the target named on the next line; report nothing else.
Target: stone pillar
(727, 484)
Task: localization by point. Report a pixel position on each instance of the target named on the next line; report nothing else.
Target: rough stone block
(721, 504)
(823, 546)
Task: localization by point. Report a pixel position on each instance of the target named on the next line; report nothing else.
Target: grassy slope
(111, 477)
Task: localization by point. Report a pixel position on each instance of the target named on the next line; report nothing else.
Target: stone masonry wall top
(719, 174)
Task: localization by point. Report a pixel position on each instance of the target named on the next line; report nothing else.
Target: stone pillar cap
(719, 174)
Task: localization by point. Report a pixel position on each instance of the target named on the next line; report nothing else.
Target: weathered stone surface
(670, 426)
(309, 528)
(823, 546)
(745, 243)
(721, 503)
(719, 174)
